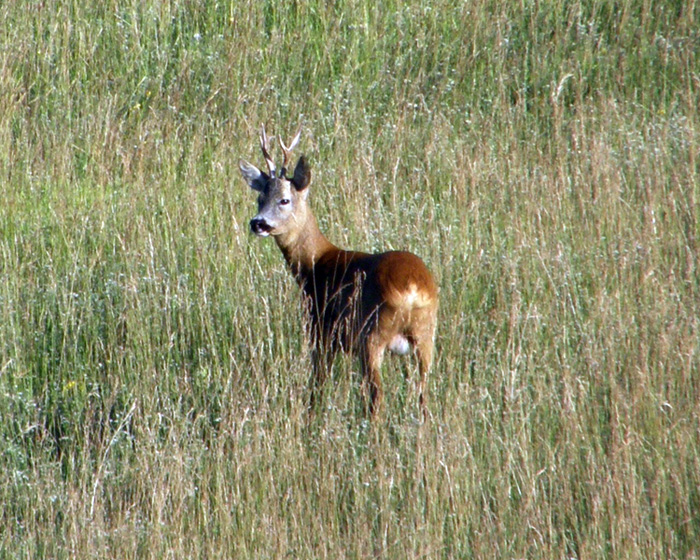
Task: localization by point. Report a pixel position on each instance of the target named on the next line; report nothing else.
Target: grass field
(542, 157)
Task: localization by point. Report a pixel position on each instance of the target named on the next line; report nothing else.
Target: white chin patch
(263, 234)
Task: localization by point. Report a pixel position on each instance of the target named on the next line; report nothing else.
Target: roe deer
(358, 302)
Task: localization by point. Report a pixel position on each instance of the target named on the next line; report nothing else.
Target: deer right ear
(302, 175)
(255, 178)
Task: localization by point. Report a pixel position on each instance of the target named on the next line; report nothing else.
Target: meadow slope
(543, 159)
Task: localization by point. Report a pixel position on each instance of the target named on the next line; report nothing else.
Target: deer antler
(288, 150)
(266, 154)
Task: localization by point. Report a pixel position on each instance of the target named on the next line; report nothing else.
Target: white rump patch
(414, 297)
(399, 345)
(411, 297)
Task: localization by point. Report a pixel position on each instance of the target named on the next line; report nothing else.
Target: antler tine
(266, 154)
(287, 150)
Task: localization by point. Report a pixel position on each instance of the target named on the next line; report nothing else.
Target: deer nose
(259, 226)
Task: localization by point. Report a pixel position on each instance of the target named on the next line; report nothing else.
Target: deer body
(358, 302)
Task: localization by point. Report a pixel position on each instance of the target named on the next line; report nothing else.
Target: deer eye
(284, 201)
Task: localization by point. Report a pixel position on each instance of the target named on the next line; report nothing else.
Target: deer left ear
(302, 175)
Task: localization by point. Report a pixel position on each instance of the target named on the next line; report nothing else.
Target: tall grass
(542, 157)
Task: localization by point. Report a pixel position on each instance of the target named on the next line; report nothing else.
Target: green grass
(542, 157)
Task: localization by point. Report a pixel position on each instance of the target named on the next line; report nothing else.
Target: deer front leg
(321, 362)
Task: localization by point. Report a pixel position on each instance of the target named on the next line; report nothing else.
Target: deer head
(281, 200)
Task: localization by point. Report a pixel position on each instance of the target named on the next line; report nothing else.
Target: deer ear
(302, 175)
(255, 178)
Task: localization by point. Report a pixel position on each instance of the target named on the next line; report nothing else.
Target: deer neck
(303, 246)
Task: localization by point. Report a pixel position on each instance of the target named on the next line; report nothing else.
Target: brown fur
(358, 302)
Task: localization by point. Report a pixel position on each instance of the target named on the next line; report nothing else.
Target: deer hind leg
(371, 356)
(423, 339)
(424, 353)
